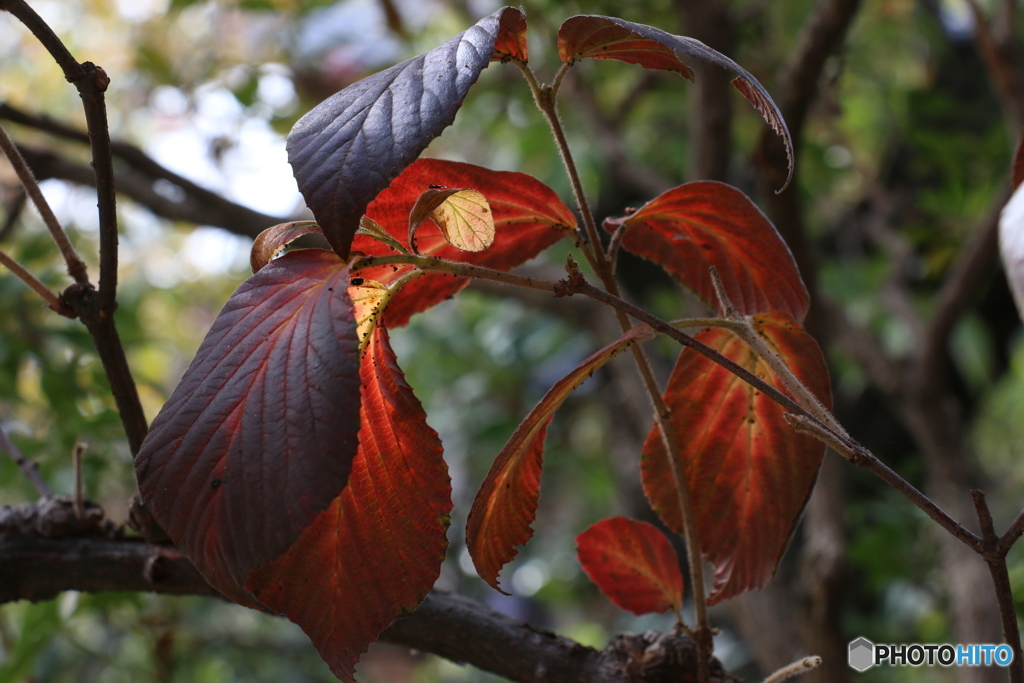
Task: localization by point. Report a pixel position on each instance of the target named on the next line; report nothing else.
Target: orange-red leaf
(506, 504)
(599, 38)
(633, 564)
(511, 40)
(613, 38)
(259, 436)
(374, 554)
(748, 472)
(528, 218)
(697, 225)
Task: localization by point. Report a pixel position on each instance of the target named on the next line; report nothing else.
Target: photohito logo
(864, 654)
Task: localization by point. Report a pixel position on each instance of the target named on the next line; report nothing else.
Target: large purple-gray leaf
(349, 148)
(601, 37)
(259, 436)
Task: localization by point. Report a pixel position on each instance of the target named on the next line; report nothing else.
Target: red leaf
(633, 564)
(374, 554)
(259, 436)
(597, 37)
(694, 226)
(506, 504)
(528, 218)
(749, 473)
(614, 38)
(511, 40)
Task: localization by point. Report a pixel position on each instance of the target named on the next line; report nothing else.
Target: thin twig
(76, 267)
(863, 458)
(995, 558)
(96, 311)
(91, 82)
(1013, 533)
(546, 98)
(52, 300)
(795, 669)
(30, 469)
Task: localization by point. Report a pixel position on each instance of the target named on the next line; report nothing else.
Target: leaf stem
(546, 99)
(75, 265)
(745, 330)
(588, 240)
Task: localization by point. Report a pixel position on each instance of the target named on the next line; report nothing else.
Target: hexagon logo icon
(862, 654)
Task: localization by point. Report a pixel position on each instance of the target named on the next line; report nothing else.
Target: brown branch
(91, 82)
(452, 626)
(995, 558)
(138, 180)
(96, 310)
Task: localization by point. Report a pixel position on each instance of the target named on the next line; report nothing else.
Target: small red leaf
(511, 40)
(273, 240)
(599, 38)
(749, 473)
(694, 226)
(633, 564)
(259, 436)
(506, 504)
(374, 554)
(528, 218)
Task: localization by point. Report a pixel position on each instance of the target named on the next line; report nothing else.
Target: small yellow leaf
(465, 220)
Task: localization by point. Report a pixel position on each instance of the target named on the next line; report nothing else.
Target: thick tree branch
(452, 626)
